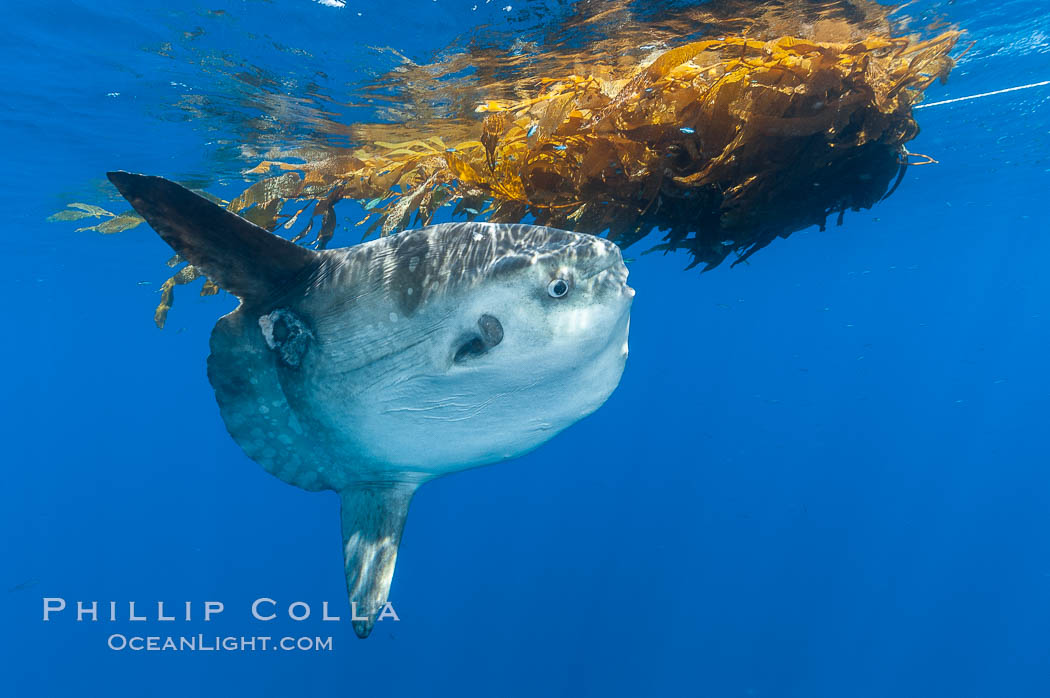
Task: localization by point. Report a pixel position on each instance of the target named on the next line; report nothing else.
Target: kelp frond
(723, 125)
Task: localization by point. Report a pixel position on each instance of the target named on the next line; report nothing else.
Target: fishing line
(983, 94)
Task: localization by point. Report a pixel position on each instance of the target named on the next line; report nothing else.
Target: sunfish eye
(558, 288)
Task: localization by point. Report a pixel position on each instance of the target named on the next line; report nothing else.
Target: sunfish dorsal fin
(242, 258)
(373, 518)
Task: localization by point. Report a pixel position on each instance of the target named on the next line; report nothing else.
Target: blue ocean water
(823, 474)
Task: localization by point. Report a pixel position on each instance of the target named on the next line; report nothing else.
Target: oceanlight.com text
(216, 643)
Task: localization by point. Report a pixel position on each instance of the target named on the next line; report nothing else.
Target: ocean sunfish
(372, 369)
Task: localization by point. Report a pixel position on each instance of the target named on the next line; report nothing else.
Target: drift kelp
(723, 125)
(724, 143)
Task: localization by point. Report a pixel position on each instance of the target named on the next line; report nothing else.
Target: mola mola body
(372, 369)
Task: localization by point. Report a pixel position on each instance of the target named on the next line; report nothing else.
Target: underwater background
(824, 472)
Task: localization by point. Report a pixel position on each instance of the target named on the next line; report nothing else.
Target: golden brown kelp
(723, 125)
(723, 143)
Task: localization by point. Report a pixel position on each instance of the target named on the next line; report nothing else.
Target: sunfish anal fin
(373, 517)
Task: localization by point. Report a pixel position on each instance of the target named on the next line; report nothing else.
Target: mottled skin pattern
(372, 369)
(375, 308)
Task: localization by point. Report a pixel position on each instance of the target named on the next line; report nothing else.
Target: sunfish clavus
(372, 369)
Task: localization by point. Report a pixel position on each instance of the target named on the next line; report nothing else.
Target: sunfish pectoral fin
(242, 258)
(373, 519)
